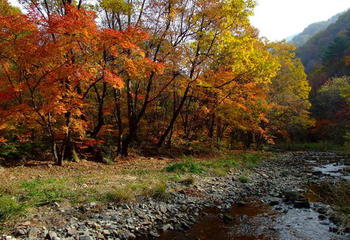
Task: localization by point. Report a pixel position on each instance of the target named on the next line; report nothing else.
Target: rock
(126, 235)
(71, 231)
(33, 233)
(333, 229)
(85, 237)
(7, 238)
(273, 201)
(167, 227)
(20, 231)
(52, 236)
(154, 234)
(163, 208)
(322, 217)
(301, 203)
(227, 218)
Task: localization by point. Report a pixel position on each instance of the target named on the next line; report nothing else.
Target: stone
(33, 233)
(227, 218)
(167, 227)
(52, 236)
(71, 231)
(302, 203)
(154, 234)
(85, 237)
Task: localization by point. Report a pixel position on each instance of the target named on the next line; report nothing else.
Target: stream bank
(272, 204)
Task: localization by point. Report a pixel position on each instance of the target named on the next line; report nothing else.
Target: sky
(278, 19)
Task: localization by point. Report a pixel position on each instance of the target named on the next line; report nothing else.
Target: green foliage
(16, 151)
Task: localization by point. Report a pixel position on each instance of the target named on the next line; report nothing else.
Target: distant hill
(312, 51)
(324, 54)
(311, 30)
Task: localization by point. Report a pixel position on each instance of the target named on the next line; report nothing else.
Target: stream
(272, 217)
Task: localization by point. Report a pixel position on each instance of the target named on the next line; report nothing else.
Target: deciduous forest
(94, 81)
(113, 101)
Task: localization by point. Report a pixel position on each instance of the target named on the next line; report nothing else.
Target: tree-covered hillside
(311, 30)
(313, 51)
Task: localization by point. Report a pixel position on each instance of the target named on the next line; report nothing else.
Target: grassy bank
(26, 189)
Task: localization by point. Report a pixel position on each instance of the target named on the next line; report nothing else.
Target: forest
(82, 81)
(127, 118)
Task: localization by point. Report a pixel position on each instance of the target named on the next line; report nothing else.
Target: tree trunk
(174, 118)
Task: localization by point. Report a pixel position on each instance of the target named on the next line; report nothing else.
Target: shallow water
(249, 222)
(334, 170)
(257, 221)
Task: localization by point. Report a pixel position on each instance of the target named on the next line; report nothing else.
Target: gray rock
(154, 234)
(167, 227)
(85, 237)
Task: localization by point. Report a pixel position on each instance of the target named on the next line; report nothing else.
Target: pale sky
(278, 19)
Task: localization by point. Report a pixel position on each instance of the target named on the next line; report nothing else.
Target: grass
(244, 179)
(219, 166)
(77, 183)
(9, 207)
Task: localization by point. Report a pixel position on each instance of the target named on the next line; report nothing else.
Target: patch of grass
(117, 196)
(44, 191)
(159, 191)
(131, 191)
(187, 181)
(136, 171)
(252, 160)
(186, 167)
(9, 207)
(244, 179)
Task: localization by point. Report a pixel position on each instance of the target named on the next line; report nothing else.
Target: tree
(289, 95)
(51, 74)
(6, 9)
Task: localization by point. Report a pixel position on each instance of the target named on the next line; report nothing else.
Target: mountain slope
(311, 30)
(312, 52)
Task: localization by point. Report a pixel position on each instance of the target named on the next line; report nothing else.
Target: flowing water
(257, 220)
